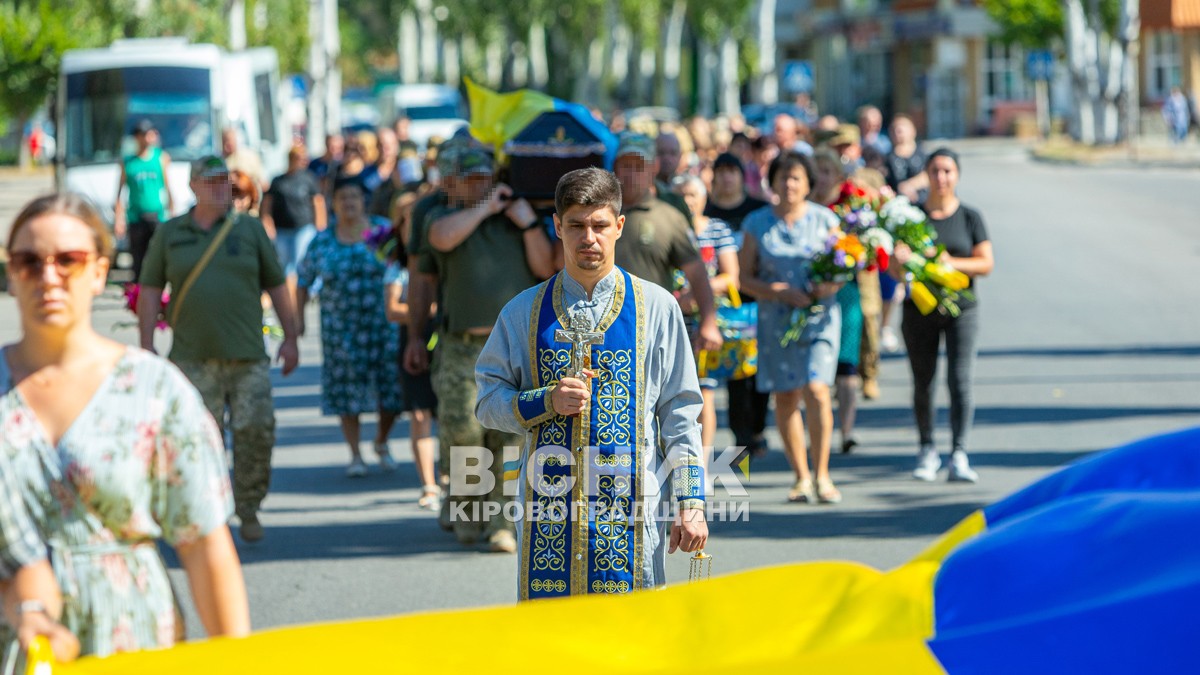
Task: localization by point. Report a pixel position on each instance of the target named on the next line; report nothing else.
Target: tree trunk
(333, 74)
(1128, 33)
(620, 60)
(647, 63)
(316, 69)
(237, 25)
(494, 63)
(673, 54)
(595, 71)
(579, 70)
(539, 69)
(451, 71)
(767, 89)
(471, 59)
(637, 75)
(1082, 63)
(705, 91)
(409, 48)
(730, 95)
(605, 85)
(429, 39)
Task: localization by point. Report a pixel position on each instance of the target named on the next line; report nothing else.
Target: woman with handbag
(718, 250)
(106, 448)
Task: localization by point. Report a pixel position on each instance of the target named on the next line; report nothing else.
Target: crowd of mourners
(412, 252)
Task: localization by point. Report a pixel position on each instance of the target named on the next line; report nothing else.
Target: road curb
(1189, 163)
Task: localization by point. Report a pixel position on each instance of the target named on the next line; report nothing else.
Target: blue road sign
(1039, 64)
(798, 76)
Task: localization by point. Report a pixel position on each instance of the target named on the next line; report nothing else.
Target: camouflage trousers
(243, 388)
(870, 298)
(453, 377)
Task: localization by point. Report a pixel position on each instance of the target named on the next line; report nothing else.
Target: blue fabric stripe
(1098, 583)
(613, 487)
(1166, 462)
(1095, 568)
(549, 563)
(532, 404)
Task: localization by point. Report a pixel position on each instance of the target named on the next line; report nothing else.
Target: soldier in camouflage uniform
(484, 247)
(216, 318)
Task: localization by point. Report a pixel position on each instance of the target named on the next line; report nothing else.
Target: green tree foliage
(33, 37)
(1031, 23)
(1039, 24)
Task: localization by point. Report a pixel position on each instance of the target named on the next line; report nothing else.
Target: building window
(1163, 69)
(1004, 74)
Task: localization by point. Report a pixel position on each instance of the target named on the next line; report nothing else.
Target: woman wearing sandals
(780, 241)
(104, 449)
(359, 348)
(419, 399)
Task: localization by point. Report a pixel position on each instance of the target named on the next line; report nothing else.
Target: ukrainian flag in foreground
(1094, 569)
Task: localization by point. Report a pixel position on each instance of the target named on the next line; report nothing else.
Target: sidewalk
(1148, 151)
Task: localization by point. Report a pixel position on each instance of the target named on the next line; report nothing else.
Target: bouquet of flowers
(380, 238)
(844, 256)
(860, 217)
(133, 290)
(934, 285)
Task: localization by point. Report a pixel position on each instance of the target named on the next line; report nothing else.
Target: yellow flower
(923, 298)
(944, 275)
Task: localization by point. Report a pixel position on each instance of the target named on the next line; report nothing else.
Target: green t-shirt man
(146, 183)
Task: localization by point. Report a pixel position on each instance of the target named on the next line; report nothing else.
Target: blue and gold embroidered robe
(593, 512)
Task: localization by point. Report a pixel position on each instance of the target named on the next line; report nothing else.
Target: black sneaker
(251, 530)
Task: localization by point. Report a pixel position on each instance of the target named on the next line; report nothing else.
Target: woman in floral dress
(359, 347)
(106, 448)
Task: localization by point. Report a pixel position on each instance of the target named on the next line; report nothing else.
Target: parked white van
(190, 92)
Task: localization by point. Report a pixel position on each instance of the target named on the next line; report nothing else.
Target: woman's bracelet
(31, 606)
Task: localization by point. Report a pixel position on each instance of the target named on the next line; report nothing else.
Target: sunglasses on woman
(29, 265)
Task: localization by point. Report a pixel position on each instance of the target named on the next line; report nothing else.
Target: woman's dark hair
(786, 161)
(68, 204)
(588, 187)
(349, 182)
(944, 152)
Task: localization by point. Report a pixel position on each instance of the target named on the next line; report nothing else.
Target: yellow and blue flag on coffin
(497, 118)
(1093, 569)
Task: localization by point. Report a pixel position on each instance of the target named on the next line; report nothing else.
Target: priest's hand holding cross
(572, 395)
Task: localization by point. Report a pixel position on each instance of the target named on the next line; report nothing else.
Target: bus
(190, 92)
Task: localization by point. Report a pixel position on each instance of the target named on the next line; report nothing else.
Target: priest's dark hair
(592, 186)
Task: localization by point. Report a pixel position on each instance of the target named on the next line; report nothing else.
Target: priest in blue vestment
(595, 368)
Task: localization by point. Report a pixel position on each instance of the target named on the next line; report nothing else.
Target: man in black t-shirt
(906, 163)
(729, 201)
(293, 211)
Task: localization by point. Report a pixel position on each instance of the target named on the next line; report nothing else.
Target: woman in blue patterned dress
(359, 347)
(104, 449)
(780, 242)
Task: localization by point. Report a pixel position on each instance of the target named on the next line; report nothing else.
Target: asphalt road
(1090, 339)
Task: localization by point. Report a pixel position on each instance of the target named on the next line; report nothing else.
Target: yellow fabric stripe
(844, 616)
(967, 528)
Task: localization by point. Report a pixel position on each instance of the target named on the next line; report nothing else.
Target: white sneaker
(385, 458)
(357, 469)
(960, 469)
(888, 340)
(928, 463)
